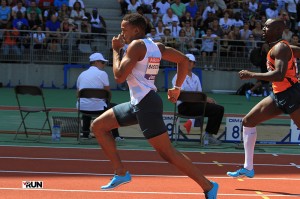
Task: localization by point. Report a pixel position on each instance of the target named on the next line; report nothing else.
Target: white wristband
(177, 87)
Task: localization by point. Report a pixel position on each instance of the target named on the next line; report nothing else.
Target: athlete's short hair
(137, 20)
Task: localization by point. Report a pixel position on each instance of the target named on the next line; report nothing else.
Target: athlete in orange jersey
(285, 97)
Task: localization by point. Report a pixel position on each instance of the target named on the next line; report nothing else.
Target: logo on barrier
(168, 119)
(233, 129)
(32, 184)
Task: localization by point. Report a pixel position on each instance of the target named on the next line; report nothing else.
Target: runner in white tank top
(139, 66)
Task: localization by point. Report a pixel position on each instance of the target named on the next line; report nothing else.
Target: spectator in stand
(208, 49)
(24, 38)
(253, 6)
(77, 13)
(34, 21)
(220, 6)
(280, 5)
(12, 3)
(72, 3)
(287, 34)
(178, 8)
(263, 19)
(210, 17)
(271, 11)
(123, 6)
(98, 24)
(162, 7)
(19, 21)
(5, 14)
(59, 3)
(175, 28)
(34, 9)
(39, 39)
(147, 5)
(27, 3)
(237, 46)
(18, 7)
(132, 6)
(63, 12)
(225, 23)
(160, 28)
(245, 32)
(190, 34)
(70, 35)
(192, 8)
(168, 39)
(182, 42)
(225, 47)
(154, 18)
(285, 17)
(45, 4)
(85, 36)
(153, 35)
(53, 33)
(237, 21)
(216, 28)
(169, 17)
(263, 5)
(209, 9)
(49, 12)
(250, 45)
(186, 17)
(290, 7)
(10, 37)
(257, 32)
(252, 21)
(245, 12)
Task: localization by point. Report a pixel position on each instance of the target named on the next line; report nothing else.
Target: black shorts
(148, 114)
(289, 100)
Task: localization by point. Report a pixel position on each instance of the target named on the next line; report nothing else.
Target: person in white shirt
(18, 7)
(169, 17)
(213, 112)
(209, 8)
(71, 3)
(253, 6)
(162, 7)
(271, 11)
(94, 77)
(208, 48)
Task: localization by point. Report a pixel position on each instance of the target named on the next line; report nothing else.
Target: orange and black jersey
(290, 76)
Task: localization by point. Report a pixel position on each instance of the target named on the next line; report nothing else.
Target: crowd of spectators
(53, 25)
(207, 27)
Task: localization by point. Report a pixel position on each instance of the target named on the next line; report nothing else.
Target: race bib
(152, 68)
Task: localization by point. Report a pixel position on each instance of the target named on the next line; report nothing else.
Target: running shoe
(119, 139)
(241, 173)
(212, 194)
(117, 181)
(188, 125)
(213, 141)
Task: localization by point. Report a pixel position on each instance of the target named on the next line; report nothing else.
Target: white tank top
(141, 79)
(97, 20)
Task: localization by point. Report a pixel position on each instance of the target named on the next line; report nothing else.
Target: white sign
(233, 129)
(295, 132)
(168, 119)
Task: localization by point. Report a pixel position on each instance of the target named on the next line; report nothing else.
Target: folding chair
(91, 93)
(23, 93)
(193, 97)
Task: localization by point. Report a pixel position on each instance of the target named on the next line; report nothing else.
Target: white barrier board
(233, 129)
(168, 119)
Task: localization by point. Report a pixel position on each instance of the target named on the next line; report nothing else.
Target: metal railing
(75, 48)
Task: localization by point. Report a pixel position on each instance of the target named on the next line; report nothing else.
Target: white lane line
(136, 161)
(295, 165)
(146, 192)
(110, 174)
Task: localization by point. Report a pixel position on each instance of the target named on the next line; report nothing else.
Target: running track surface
(79, 173)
